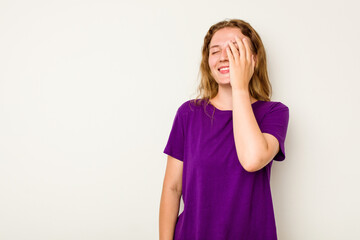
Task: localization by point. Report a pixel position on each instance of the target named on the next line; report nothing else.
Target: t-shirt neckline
(229, 111)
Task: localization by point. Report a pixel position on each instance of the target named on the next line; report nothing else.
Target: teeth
(225, 68)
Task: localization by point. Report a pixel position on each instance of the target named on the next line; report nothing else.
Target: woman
(221, 163)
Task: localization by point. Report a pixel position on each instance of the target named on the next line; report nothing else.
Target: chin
(224, 81)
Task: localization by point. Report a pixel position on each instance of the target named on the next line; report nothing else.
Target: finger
(234, 51)
(229, 54)
(241, 48)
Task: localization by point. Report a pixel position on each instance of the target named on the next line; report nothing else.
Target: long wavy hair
(259, 85)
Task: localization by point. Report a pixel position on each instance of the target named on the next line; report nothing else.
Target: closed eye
(214, 52)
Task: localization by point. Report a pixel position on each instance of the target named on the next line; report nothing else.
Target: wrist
(241, 94)
(241, 91)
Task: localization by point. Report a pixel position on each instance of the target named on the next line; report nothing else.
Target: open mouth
(223, 70)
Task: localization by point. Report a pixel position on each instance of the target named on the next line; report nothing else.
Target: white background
(89, 90)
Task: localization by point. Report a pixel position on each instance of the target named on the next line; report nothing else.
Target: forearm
(249, 140)
(169, 209)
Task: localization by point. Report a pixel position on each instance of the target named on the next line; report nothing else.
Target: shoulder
(273, 111)
(190, 106)
(272, 106)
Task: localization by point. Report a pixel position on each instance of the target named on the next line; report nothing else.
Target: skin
(254, 148)
(170, 198)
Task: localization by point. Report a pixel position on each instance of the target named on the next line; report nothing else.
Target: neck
(223, 99)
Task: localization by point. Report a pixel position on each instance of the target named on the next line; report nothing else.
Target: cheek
(212, 62)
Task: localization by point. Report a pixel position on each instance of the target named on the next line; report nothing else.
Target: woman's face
(218, 60)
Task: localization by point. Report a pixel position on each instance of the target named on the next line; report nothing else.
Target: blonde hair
(259, 85)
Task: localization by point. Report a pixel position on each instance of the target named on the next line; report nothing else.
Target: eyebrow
(219, 45)
(214, 46)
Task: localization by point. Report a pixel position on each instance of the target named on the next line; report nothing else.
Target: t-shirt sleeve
(175, 143)
(275, 122)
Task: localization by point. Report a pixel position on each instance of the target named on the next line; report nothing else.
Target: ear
(255, 58)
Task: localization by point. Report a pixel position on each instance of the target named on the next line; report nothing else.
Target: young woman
(222, 145)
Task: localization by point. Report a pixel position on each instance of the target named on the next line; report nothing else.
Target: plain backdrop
(89, 91)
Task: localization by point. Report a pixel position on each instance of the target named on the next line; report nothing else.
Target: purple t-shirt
(221, 199)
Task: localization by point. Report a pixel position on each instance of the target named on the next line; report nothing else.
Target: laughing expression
(218, 59)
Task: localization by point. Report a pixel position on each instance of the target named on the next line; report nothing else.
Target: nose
(223, 55)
